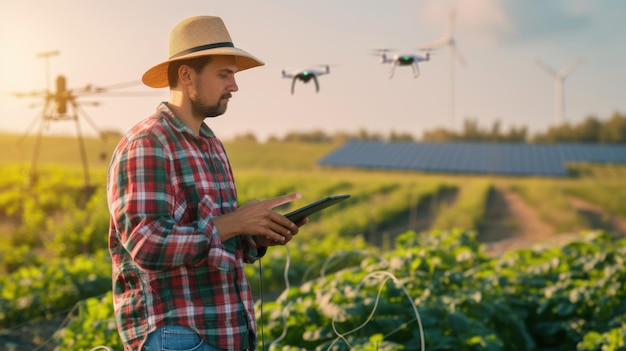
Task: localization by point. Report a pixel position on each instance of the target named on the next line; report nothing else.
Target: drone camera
(407, 60)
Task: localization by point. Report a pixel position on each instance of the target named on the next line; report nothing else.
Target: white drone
(305, 75)
(403, 59)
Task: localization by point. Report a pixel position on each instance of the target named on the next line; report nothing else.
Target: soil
(598, 218)
(31, 336)
(510, 223)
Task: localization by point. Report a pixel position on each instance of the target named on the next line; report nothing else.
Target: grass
(468, 210)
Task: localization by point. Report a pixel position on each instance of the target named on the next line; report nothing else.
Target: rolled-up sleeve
(144, 209)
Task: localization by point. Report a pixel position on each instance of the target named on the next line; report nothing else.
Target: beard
(200, 107)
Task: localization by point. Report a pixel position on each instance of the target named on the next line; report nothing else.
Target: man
(177, 239)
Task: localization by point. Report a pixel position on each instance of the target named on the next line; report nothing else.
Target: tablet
(313, 207)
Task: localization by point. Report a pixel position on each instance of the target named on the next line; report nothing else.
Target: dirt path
(598, 218)
(508, 216)
(510, 224)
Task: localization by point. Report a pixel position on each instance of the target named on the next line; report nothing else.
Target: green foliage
(547, 197)
(610, 195)
(525, 300)
(555, 299)
(591, 130)
(58, 214)
(32, 292)
(611, 340)
(82, 230)
(93, 325)
(19, 256)
(473, 132)
(302, 261)
(468, 209)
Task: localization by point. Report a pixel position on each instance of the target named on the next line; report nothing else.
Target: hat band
(225, 44)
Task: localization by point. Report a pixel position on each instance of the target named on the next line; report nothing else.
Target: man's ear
(184, 74)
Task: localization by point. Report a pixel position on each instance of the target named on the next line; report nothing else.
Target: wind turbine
(449, 41)
(559, 89)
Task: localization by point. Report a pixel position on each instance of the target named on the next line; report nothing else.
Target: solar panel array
(473, 157)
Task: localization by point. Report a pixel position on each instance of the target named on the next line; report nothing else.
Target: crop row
(436, 291)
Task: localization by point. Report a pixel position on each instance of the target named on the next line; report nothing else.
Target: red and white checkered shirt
(164, 188)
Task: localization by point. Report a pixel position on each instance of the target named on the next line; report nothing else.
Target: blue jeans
(176, 338)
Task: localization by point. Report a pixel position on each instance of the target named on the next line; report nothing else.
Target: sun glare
(21, 41)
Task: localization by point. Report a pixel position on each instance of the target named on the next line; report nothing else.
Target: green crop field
(403, 261)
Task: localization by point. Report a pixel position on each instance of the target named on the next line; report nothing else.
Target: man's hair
(197, 64)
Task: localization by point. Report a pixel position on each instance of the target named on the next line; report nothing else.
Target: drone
(305, 75)
(63, 104)
(403, 59)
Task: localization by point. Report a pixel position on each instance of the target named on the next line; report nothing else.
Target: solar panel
(472, 157)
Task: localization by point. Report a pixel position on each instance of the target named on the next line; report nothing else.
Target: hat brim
(156, 77)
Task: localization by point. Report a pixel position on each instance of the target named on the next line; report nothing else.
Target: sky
(106, 43)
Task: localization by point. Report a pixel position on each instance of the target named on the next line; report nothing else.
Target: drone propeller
(108, 90)
(35, 93)
(428, 49)
(325, 64)
(378, 52)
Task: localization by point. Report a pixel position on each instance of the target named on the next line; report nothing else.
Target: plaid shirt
(170, 267)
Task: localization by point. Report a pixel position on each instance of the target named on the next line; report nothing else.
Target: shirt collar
(180, 126)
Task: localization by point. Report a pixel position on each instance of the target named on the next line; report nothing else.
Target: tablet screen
(316, 206)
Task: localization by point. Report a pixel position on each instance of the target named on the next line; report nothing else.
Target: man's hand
(263, 241)
(257, 218)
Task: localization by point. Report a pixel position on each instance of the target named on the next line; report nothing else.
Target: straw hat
(194, 37)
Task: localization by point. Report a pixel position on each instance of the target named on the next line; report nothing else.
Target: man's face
(212, 87)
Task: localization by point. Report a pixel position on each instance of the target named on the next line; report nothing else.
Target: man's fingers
(281, 200)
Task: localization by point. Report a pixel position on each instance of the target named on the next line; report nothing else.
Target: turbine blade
(457, 54)
(546, 68)
(569, 69)
(436, 44)
(447, 39)
(451, 24)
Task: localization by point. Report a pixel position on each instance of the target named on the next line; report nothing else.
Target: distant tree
(342, 137)
(588, 131)
(402, 137)
(439, 135)
(249, 137)
(591, 130)
(365, 135)
(316, 136)
(518, 134)
(473, 132)
(562, 133)
(614, 130)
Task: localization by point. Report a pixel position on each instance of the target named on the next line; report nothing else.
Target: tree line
(590, 130)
